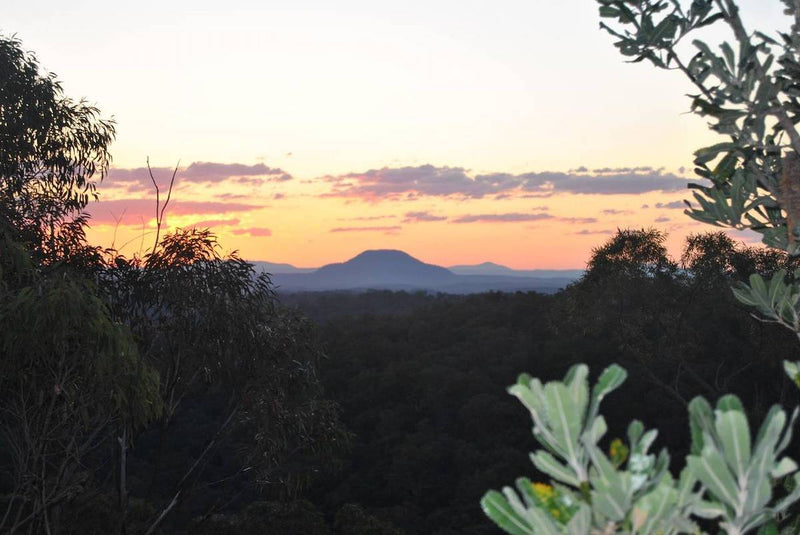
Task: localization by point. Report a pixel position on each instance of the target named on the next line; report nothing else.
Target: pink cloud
(138, 179)
(253, 231)
(133, 211)
(428, 180)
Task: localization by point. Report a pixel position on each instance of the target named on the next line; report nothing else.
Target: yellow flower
(618, 452)
(543, 491)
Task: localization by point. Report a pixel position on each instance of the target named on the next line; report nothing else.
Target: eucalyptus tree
(213, 329)
(96, 349)
(53, 151)
(748, 87)
(69, 374)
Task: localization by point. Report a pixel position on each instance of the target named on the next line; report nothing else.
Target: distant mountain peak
(397, 270)
(384, 267)
(384, 254)
(483, 265)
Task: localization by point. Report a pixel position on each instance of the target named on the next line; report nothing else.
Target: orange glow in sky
(459, 132)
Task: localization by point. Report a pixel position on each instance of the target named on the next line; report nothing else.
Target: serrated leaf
(496, 507)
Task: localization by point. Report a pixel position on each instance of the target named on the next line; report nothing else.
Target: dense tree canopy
(136, 394)
(52, 151)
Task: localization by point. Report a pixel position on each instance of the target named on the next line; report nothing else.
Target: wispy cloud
(612, 211)
(586, 232)
(422, 217)
(217, 172)
(578, 220)
(501, 218)
(138, 179)
(367, 218)
(675, 205)
(390, 228)
(428, 180)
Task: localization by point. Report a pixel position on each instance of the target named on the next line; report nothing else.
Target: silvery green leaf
(604, 471)
(646, 441)
(701, 419)
(597, 430)
(526, 396)
(712, 470)
(525, 489)
(709, 510)
(577, 382)
(611, 378)
(730, 402)
(496, 507)
(787, 434)
(611, 502)
(770, 431)
(543, 523)
(792, 369)
(564, 418)
(784, 467)
(635, 430)
(789, 499)
(686, 484)
(581, 521)
(548, 464)
(734, 434)
(759, 492)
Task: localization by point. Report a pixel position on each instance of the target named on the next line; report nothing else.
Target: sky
(308, 131)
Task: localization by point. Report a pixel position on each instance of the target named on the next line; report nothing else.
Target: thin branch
(788, 127)
(161, 209)
(163, 514)
(158, 202)
(182, 482)
(685, 70)
(731, 13)
(169, 191)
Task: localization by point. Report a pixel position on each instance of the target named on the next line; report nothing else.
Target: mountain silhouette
(385, 268)
(388, 269)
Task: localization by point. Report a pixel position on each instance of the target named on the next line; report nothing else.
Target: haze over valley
(387, 269)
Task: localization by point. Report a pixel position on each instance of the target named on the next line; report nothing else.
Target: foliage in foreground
(729, 476)
(750, 92)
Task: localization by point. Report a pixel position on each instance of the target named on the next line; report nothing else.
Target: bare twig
(161, 209)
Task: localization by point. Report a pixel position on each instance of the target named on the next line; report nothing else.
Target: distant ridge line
(391, 269)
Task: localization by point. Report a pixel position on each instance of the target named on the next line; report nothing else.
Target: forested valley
(422, 390)
(178, 391)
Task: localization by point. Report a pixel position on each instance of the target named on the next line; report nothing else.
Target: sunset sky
(307, 131)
